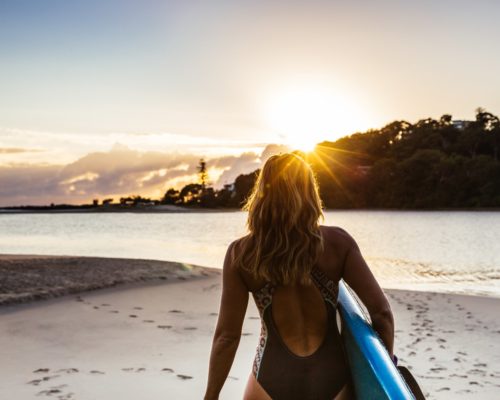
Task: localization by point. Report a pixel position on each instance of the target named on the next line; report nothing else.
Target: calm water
(439, 251)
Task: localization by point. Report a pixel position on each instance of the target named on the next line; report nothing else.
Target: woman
(292, 265)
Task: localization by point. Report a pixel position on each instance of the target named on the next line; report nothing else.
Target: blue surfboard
(374, 375)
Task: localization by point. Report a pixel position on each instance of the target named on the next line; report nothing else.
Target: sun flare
(304, 117)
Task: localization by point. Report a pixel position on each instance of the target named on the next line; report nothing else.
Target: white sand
(93, 347)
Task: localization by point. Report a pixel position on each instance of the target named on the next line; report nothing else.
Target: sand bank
(151, 340)
(25, 278)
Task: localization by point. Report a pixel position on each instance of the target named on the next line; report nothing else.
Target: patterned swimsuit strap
(329, 288)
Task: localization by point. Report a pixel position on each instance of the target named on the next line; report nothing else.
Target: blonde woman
(292, 266)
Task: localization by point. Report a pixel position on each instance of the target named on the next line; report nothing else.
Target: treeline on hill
(430, 164)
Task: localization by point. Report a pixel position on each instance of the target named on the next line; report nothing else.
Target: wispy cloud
(66, 147)
(117, 172)
(17, 150)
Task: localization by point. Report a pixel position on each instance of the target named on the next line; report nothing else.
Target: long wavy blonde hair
(284, 208)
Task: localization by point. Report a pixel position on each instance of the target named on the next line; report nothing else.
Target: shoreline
(116, 211)
(180, 210)
(108, 272)
(15, 288)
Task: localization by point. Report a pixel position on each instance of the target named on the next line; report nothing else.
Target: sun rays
(304, 115)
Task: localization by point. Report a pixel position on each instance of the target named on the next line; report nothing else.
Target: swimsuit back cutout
(285, 375)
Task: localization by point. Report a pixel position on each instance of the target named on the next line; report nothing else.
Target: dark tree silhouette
(171, 196)
(202, 174)
(191, 193)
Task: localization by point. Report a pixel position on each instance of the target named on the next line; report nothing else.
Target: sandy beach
(146, 333)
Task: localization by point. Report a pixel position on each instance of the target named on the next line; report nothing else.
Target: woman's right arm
(359, 277)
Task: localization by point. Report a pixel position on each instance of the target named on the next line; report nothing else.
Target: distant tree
(202, 174)
(224, 196)
(171, 196)
(208, 199)
(191, 193)
(242, 187)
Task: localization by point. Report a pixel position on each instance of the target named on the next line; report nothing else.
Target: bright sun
(304, 117)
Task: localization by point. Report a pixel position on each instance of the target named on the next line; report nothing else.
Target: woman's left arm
(227, 334)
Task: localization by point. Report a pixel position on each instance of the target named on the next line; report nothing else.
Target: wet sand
(151, 340)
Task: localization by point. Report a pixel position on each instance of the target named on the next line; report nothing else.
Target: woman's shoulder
(337, 236)
(237, 246)
(239, 242)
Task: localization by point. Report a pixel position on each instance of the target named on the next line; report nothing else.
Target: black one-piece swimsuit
(287, 376)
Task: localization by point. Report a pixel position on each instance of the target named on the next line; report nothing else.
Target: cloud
(118, 172)
(17, 150)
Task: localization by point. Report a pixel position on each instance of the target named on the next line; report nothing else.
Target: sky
(108, 98)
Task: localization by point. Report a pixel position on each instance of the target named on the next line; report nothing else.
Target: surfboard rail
(374, 374)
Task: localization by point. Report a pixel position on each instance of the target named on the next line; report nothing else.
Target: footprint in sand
(94, 371)
(137, 308)
(149, 321)
(259, 318)
(41, 370)
(59, 386)
(476, 371)
(114, 311)
(190, 328)
(213, 313)
(175, 311)
(443, 389)
(184, 377)
(127, 369)
(48, 392)
(48, 378)
(105, 305)
(133, 316)
(168, 370)
(96, 308)
(164, 326)
(35, 382)
(68, 370)
(140, 369)
(246, 334)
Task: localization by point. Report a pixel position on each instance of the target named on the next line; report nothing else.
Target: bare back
(299, 311)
